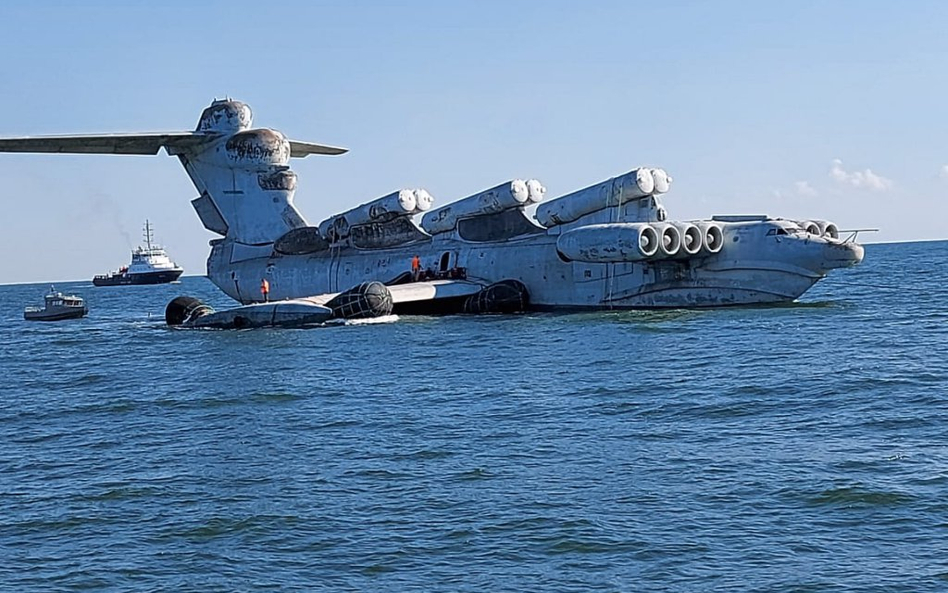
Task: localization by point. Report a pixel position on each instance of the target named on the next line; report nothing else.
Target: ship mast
(148, 235)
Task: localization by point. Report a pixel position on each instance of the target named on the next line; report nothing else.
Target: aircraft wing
(137, 144)
(303, 149)
(105, 143)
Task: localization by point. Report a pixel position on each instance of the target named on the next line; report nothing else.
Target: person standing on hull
(265, 290)
(415, 268)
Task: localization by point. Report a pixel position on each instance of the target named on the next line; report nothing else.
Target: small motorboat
(57, 306)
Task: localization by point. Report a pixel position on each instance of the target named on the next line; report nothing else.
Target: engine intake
(669, 239)
(712, 235)
(826, 228)
(691, 238)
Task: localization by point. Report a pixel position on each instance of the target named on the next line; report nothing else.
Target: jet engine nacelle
(811, 227)
(692, 239)
(669, 239)
(609, 243)
(406, 202)
(824, 228)
(712, 235)
(508, 195)
(634, 185)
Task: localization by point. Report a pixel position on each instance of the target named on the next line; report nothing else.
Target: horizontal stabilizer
(302, 149)
(105, 143)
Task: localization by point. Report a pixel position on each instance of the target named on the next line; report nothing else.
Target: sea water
(792, 448)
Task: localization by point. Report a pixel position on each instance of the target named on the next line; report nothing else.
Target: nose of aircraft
(842, 255)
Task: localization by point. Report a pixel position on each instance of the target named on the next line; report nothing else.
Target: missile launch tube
(633, 185)
(535, 191)
(400, 203)
(662, 180)
(423, 201)
(609, 243)
(511, 194)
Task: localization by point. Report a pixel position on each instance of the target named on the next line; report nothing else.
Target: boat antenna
(148, 234)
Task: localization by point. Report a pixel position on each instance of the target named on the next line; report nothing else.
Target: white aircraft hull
(608, 245)
(763, 272)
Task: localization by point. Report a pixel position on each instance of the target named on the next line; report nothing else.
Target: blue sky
(799, 109)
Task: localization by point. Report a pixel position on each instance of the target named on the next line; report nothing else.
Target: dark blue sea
(801, 448)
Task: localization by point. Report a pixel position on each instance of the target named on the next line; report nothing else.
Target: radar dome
(225, 115)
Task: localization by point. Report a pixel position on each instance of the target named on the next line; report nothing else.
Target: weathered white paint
(609, 243)
(510, 194)
(423, 201)
(827, 228)
(610, 193)
(691, 239)
(661, 180)
(399, 203)
(712, 236)
(535, 191)
(247, 190)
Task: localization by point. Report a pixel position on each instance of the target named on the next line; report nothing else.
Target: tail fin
(244, 177)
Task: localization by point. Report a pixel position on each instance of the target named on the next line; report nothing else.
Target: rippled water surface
(797, 448)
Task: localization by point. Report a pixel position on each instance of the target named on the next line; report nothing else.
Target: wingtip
(303, 149)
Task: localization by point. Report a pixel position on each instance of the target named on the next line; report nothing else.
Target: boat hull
(162, 277)
(55, 316)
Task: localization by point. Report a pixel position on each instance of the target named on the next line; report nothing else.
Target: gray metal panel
(104, 143)
(209, 214)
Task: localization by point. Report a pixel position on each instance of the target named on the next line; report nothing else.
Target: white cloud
(865, 179)
(943, 173)
(803, 188)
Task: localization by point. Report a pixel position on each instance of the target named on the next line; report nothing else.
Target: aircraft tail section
(242, 174)
(246, 185)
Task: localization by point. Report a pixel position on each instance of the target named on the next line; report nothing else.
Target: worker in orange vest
(265, 290)
(415, 268)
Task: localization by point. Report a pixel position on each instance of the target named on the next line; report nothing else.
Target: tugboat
(58, 306)
(150, 265)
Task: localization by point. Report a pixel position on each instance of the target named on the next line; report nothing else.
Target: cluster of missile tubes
(595, 242)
